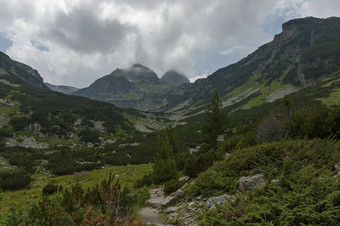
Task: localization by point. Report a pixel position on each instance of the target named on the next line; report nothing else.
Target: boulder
(275, 181)
(171, 210)
(178, 193)
(169, 200)
(337, 167)
(217, 200)
(251, 182)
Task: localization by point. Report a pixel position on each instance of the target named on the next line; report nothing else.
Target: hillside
(305, 52)
(62, 88)
(20, 71)
(60, 134)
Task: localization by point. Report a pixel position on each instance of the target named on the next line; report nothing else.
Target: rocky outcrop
(280, 93)
(217, 200)
(337, 167)
(26, 142)
(171, 199)
(251, 182)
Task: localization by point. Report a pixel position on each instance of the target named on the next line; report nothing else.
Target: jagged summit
(136, 86)
(175, 78)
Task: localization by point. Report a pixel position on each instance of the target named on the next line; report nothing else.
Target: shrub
(89, 135)
(172, 185)
(268, 158)
(13, 180)
(50, 189)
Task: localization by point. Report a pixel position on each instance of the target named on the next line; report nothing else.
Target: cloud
(194, 78)
(76, 41)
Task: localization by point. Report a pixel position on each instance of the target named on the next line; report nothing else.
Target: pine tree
(164, 167)
(215, 122)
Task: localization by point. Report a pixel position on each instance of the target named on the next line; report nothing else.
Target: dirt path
(149, 214)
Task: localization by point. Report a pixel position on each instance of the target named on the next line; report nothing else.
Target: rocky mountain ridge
(134, 87)
(175, 78)
(305, 52)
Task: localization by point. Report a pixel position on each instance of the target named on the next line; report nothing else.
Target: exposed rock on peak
(22, 71)
(134, 87)
(174, 78)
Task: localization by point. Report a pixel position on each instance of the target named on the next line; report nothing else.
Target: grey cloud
(193, 36)
(82, 31)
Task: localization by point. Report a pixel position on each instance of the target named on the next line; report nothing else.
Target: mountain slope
(62, 88)
(135, 87)
(174, 78)
(305, 52)
(21, 71)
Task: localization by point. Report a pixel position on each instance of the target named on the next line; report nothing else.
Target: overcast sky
(74, 42)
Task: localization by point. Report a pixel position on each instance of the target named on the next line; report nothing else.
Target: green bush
(311, 199)
(14, 180)
(173, 185)
(89, 135)
(50, 189)
(266, 158)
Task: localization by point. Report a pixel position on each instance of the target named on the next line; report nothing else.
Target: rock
(275, 181)
(178, 193)
(280, 93)
(169, 201)
(183, 178)
(220, 138)
(219, 200)
(337, 167)
(252, 182)
(226, 156)
(171, 210)
(26, 142)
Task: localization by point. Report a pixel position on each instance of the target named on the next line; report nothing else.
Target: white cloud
(194, 78)
(76, 41)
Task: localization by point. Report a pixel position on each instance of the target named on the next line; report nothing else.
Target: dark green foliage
(164, 167)
(56, 112)
(89, 135)
(146, 180)
(113, 154)
(291, 77)
(311, 121)
(21, 157)
(215, 122)
(269, 159)
(312, 198)
(4, 133)
(61, 163)
(50, 189)
(13, 180)
(19, 123)
(173, 185)
(201, 161)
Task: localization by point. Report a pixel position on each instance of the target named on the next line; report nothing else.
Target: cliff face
(174, 78)
(21, 71)
(134, 87)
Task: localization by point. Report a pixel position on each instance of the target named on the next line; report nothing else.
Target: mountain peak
(138, 68)
(175, 78)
